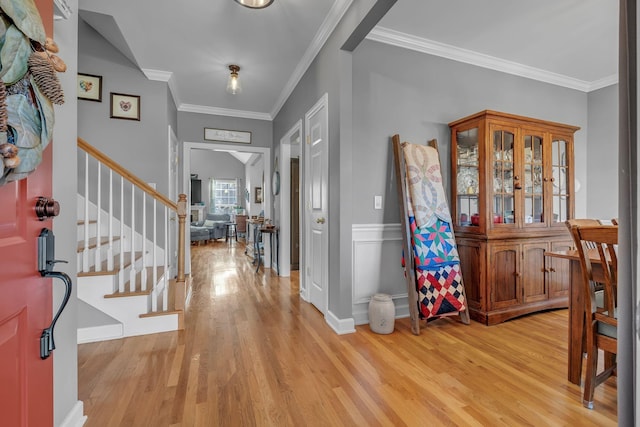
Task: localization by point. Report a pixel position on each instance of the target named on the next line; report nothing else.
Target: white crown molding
(334, 16)
(159, 75)
(61, 10)
(397, 38)
(604, 82)
(216, 111)
(329, 24)
(167, 76)
(164, 76)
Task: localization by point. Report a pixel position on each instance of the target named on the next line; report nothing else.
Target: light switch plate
(377, 202)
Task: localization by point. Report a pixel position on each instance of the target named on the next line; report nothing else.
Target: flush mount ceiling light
(233, 84)
(255, 4)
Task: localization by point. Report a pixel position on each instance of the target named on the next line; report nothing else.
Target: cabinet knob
(545, 179)
(552, 179)
(517, 186)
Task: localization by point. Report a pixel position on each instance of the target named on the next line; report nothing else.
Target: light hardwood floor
(253, 353)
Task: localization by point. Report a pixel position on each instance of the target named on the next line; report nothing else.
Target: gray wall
(172, 112)
(324, 76)
(254, 178)
(191, 128)
(65, 357)
(602, 157)
(416, 95)
(140, 146)
(212, 164)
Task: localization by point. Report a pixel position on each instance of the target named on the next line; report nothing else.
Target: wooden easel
(410, 267)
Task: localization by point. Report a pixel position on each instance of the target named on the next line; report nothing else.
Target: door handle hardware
(46, 261)
(320, 220)
(47, 208)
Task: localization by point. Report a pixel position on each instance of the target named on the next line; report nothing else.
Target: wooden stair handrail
(106, 160)
(180, 207)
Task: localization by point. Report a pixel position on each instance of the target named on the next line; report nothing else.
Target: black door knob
(47, 208)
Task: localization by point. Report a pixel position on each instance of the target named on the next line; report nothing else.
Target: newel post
(181, 293)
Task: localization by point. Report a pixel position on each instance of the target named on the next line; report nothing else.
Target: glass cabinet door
(504, 180)
(467, 178)
(560, 181)
(531, 182)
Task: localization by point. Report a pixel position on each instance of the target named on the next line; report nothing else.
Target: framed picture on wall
(90, 87)
(258, 195)
(125, 106)
(224, 135)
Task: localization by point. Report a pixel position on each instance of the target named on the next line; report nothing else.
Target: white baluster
(143, 233)
(154, 301)
(132, 271)
(110, 246)
(121, 271)
(167, 249)
(97, 254)
(85, 250)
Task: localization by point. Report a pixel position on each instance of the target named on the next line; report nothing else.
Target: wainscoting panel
(376, 255)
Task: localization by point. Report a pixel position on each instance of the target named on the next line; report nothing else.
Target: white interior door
(174, 160)
(317, 228)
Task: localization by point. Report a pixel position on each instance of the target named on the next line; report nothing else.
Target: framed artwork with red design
(125, 106)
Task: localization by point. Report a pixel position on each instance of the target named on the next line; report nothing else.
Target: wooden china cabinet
(512, 190)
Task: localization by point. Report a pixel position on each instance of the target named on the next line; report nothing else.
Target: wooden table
(271, 231)
(576, 308)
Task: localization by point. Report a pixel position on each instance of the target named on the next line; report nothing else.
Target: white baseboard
(75, 417)
(341, 326)
(100, 333)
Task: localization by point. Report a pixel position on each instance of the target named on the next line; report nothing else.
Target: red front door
(26, 381)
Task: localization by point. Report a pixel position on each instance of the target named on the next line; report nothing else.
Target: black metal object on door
(46, 262)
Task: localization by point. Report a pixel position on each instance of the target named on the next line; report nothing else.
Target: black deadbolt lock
(47, 208)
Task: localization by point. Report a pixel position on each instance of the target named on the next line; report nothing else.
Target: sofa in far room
(215, 224)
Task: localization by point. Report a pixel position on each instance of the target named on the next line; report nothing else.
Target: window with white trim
(223, 196)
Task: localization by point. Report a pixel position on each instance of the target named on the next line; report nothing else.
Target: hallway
(253, 353)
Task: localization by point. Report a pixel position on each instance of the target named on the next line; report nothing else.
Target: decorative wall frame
(125, 106)
(89, 87)
(257, 195)
(223, 135)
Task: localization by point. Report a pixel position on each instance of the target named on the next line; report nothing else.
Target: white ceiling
(190, 44)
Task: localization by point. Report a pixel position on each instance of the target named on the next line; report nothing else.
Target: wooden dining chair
(584, 222)
(598, 253)
(581, 222)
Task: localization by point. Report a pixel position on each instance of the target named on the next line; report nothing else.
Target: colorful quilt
(438, 275)
(437, 263)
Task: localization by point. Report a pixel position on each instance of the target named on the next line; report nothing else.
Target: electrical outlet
(377, 202)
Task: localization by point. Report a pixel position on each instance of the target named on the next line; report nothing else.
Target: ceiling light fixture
(255, 4)
(233, 84)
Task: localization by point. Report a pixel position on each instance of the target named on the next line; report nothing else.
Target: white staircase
(109, 312)
(124, 282)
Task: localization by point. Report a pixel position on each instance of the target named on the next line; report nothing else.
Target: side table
(272, 232)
